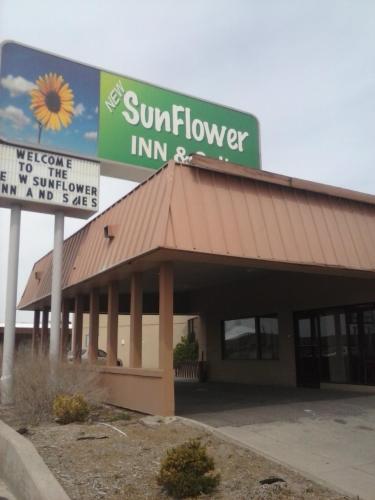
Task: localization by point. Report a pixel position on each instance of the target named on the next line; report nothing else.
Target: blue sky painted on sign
(20, 68)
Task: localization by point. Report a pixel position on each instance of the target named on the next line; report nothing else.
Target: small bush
(187, 471)
(67, 409)
(185, 350)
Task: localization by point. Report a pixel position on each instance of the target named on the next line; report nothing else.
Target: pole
(10, 305)
(57, 258)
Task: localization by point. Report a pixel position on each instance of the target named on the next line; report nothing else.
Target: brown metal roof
(217, 208)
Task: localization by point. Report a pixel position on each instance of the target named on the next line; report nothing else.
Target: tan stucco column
(77, 329)
(166, 335)
(112, 324)
(44, 341)
(136, 308)
(36, 333)
(64, 334)
(93, 326)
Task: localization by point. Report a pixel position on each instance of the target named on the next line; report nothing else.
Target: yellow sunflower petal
(54, 122)
(36, 93)
(37, 102)
(65, 90)
(65, 118)
(51, 82)
(66, 96)
(45, 118)
(42, 84)
(42, 114)
(55, 82)
(67, 106)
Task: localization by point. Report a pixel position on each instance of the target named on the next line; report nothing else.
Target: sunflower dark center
(53, 101)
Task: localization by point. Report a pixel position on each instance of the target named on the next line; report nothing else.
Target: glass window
(240, 339)
(269, 338)
(251, 338)
(192, 329)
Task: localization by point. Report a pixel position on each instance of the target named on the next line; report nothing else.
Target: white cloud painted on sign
(90, 136)
(17, 85)
(79, 109)
(15, 115)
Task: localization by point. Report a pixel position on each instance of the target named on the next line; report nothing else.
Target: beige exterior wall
(150, 336)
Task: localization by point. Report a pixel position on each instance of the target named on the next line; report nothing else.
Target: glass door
(307, 352)
(334, 365)
(354, 324)
(368, 343)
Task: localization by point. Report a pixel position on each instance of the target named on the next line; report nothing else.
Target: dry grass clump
(188, 471)
(67, 409)
(36, 386)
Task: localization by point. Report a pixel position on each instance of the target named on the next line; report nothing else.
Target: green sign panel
(145, 125)
(66, 106)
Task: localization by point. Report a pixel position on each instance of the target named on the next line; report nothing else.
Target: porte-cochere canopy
(209, 210)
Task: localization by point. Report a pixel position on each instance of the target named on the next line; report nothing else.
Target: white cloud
(90, 136)
(79, 109)
(15, 115)
(17, 85)
(96, 110)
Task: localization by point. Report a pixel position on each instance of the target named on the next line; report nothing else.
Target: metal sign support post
(10, 306)
(57, 258)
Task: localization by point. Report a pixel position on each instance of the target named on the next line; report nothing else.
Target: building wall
(150, 339)
(272, 293)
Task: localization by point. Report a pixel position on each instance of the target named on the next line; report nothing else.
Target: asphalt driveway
(327, 435)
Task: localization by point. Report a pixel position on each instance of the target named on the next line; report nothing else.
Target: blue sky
(305, 68)
(20, 68)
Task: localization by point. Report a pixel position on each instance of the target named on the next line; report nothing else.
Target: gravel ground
(93, 461)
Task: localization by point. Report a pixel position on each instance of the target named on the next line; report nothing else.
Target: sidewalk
(327, 435)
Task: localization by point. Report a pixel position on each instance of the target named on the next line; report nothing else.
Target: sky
(305, 68)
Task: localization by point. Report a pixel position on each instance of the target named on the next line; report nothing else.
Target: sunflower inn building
(279, 270)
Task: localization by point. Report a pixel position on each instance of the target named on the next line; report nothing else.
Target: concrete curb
(23, 470)
(221, 435)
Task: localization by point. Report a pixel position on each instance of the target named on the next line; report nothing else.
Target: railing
(191, 370)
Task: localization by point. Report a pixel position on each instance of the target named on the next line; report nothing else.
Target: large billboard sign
(130, 126)
(45, 182)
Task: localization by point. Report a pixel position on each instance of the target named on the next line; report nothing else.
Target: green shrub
(187, 470)
(185, 350)
(67, 409)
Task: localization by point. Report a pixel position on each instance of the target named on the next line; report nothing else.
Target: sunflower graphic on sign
(52, 103)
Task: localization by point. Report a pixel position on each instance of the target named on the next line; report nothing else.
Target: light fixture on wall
(109, 232)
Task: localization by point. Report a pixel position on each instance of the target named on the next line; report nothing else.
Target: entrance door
(368, 343)
(307, 352)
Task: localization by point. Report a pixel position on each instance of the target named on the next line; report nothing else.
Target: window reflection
(251, 338)
(269, 338)
(240, 339)
(344, 340)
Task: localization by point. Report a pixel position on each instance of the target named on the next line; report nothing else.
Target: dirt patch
(94, 461)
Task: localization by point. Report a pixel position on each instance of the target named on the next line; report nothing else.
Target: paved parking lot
(327, 435)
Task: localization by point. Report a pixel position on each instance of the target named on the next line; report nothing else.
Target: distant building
(24, 334)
